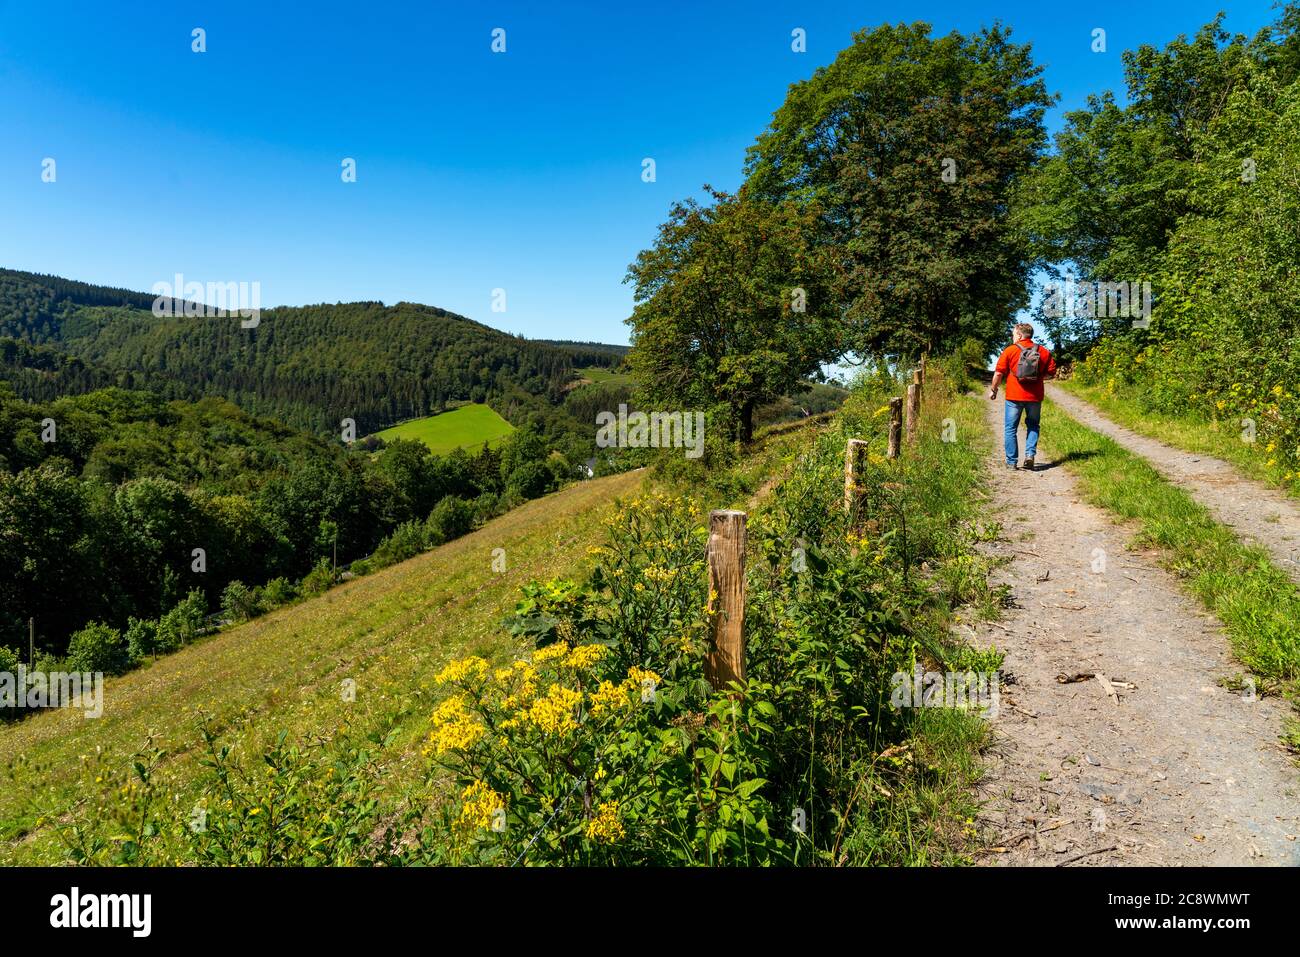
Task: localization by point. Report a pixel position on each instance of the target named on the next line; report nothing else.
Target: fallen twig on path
(1079, 857)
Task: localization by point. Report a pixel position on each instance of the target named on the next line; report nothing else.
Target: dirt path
(1259, 514)
(1178, 771)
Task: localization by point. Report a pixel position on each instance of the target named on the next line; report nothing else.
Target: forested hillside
(104, 498)
(128, 442)
(309, 366)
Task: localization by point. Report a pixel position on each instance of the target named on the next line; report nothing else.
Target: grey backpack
(1029, 367)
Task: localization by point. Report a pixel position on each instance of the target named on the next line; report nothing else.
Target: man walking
(1025, 366)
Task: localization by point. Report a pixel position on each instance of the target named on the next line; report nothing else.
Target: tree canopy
(911, 146)
(734, 306)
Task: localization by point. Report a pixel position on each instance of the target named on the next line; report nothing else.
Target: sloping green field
(467, 427)
(389, 632)
(598, 375)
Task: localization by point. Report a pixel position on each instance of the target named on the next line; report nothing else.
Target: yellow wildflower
(460, 670)
(554, 712)
(605, 827)
(608, 698)
(479, 805)
(584, 656)
(454, 727)
(642, 680)
(551, 652)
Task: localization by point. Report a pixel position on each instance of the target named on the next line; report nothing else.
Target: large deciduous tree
(734, 306)
(912, 145)
(1109, 198)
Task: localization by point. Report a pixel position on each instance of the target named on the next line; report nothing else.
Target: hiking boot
(1012, 466)
(1029, 464)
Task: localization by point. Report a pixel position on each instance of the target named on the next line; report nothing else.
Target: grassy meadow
(598, 375)
(466, 427)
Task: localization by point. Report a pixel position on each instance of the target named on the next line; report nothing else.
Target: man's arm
(993, 389)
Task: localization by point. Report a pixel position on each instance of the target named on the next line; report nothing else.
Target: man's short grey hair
(1024, 331)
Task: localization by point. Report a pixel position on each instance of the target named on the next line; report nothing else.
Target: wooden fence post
(895, 426)
(855, 454)
(726, 559)
(913, 411)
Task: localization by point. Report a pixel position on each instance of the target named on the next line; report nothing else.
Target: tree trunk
(747, 422)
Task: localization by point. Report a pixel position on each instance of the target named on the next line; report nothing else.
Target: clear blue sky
(475, 170)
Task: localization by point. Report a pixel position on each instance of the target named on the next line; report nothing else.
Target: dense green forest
(151, 468)
(309, 366)
(105, 497)
(129, 441)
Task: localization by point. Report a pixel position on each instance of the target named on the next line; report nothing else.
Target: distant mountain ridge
(308, 366)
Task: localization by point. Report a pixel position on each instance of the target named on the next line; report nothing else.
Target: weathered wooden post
(855, 456)
(895, 426)
(726, 559)
(913, 411)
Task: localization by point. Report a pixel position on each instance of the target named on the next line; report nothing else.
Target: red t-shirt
(1031, 391)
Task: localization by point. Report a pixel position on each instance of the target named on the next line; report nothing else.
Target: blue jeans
(1032, 411)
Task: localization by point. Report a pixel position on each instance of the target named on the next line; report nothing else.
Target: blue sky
(475, 171)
